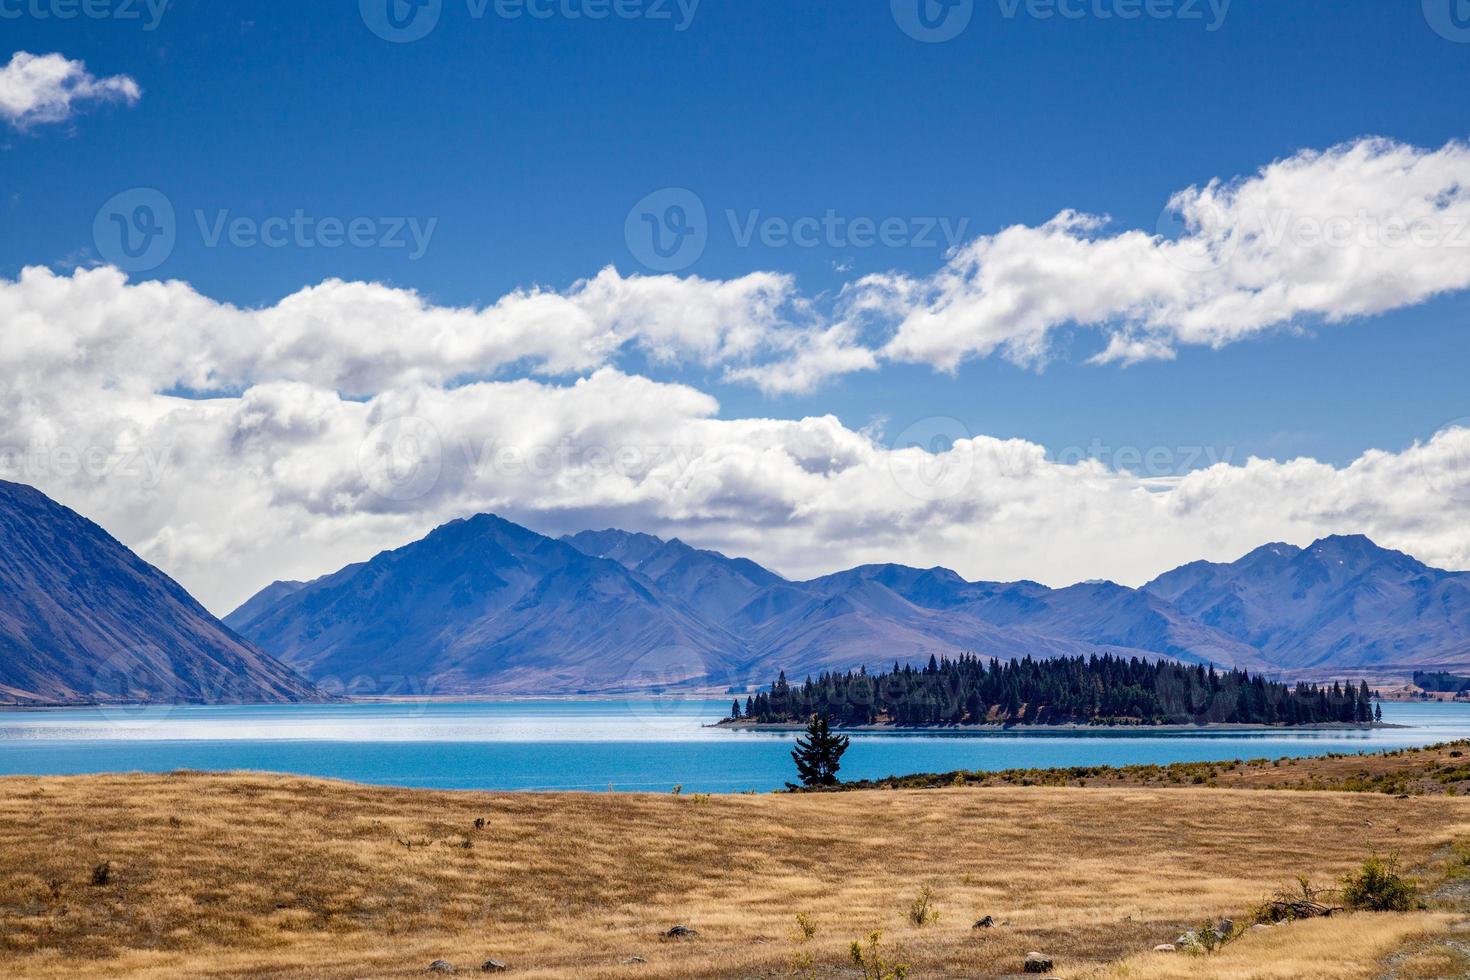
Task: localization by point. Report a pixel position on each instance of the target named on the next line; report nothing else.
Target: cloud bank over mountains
(234, 446)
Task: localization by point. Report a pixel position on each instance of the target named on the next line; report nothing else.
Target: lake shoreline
(1072, 728)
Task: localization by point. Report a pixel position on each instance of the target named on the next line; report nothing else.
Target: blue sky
(529, 140)
(525, 142)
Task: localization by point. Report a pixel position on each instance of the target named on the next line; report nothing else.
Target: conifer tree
(818, 754)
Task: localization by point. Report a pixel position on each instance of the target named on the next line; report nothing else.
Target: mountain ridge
(85, 620)
(649, 613)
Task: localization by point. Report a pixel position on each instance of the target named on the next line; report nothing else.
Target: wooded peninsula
(1096, 690)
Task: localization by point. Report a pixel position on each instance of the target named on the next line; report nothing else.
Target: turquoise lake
(632, 745)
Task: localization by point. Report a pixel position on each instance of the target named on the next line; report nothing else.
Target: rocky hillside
(83, 619)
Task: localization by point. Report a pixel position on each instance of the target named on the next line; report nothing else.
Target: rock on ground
(1036, 963)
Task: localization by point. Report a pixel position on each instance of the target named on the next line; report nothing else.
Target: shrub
(871, 962)
(1378, 887)
(921, 910)
(803, 963)
(1460, 863)
(1297, 901)
(1209, 936)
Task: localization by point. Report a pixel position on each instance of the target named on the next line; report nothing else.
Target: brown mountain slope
(82, 618)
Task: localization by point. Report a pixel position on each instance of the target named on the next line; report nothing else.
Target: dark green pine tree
(735, 710)
(818, 754)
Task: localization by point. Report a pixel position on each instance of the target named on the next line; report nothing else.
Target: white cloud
(359, 338)
(48, 88)
(1360, 229)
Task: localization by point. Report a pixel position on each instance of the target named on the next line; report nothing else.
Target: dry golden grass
(1435, 769)
(270, 876)
(1350, 947)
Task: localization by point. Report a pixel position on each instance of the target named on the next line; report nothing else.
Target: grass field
(268, 876)
(1435, 770)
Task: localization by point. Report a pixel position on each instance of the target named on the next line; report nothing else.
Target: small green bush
(1378, 887)
(921, 910)
(870, 960)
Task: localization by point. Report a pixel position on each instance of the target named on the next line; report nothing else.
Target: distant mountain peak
(1275, 549)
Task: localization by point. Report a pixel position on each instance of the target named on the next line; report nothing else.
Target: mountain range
(83, 619)
(484, 606)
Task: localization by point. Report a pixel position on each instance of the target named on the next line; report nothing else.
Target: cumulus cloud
(1359, 229)
(49, 88)
(360, 338)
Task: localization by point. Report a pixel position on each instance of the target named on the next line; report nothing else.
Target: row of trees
(1098, 689)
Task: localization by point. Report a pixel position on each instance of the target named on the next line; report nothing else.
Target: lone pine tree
(818, 754)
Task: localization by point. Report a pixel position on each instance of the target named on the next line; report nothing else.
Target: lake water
(590, 745)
